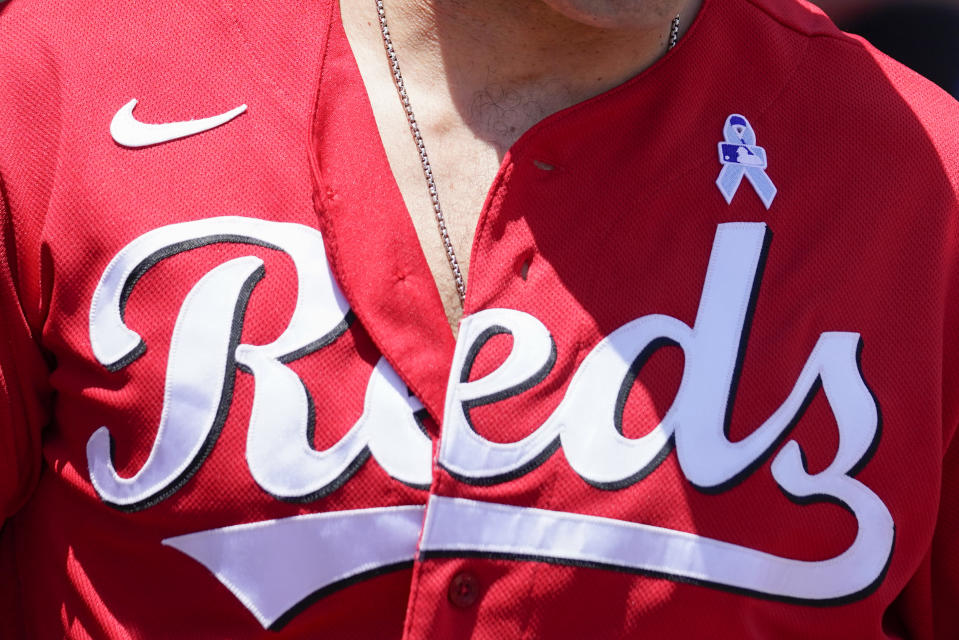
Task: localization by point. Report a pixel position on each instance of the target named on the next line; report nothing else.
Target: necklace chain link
(424, 158)
(421, 146)
(673, 32)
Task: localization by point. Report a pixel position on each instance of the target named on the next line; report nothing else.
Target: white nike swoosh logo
(130, 132)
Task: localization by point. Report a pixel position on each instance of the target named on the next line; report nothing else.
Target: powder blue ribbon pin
(740, 157)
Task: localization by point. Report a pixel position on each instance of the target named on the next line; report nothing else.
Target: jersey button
(464, 590)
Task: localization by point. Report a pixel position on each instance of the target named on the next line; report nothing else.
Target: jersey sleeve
(928, 606)
(24, 393)
(943, 559)
(945, 550)
(30, 108)
(944, 565)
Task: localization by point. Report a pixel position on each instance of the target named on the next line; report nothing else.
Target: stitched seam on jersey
(414, 597)
(327, 228)
(14, 270)
(316, 172)
(499, 188)
(255, 61)
(552, 121)
(330, 240)
(43, 316)
(371, 329)
(778, 20)
(248, 48)
(838, 37)
(537, 568)
(663, 186)
(416, 576)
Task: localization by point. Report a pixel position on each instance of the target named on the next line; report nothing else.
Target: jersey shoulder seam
(838, 36)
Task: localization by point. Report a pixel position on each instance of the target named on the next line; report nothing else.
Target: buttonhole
(545, 166)
(523, 265)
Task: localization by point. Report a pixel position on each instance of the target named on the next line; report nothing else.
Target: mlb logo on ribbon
(740, 157)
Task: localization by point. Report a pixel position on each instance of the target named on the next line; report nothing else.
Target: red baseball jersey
(706, 384)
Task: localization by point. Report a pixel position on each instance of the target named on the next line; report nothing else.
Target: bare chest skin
(475, 88)
(464, 157)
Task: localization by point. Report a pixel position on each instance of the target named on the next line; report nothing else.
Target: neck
(478, 53)
(478, 74)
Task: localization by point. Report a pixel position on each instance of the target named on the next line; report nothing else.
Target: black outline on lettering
(867, 456)
(132, 356)
(653, 464)
(763, 457)
(627, 385)
(746, 329)
(329, 589)
(420, 418)
(814, 389)
(331, 336)
(364, 454)
(150, 261)
(223, 409)
(718, 586)
(621, 398)
(310, 417)
(518, 472)
(226, 398)
(342, 478)
(815, 497)
(515, 390)
(477, 346)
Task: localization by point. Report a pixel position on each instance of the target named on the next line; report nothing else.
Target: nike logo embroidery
(130, 132)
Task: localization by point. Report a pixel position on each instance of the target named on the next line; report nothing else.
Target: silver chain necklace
(421, 147)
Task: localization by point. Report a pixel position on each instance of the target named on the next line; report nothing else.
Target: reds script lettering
(205, 352)
(585, 423)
